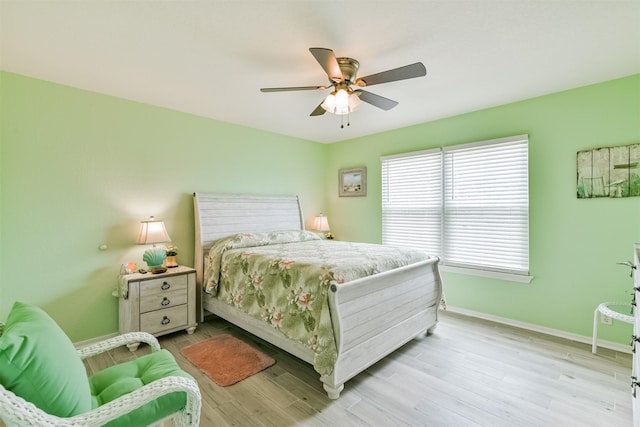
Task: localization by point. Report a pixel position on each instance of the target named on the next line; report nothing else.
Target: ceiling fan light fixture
(341, 102)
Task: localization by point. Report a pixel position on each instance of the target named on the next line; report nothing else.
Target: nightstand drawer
(164, 299)
(160, 320)
(153, 287)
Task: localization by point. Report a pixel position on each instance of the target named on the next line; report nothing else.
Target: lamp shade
(341, 102)
(321, 223)
(152, 231)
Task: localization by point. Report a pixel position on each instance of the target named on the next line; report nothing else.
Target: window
(469, 204)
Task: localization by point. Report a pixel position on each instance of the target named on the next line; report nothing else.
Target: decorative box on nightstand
(158, 303)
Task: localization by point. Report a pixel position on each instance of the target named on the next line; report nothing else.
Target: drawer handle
(165, 301)
(165, 320)
(634, 340)
(165, 286)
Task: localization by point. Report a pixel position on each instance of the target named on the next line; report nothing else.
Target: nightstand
(158, 303)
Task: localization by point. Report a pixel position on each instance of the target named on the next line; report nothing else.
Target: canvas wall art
(609, 172)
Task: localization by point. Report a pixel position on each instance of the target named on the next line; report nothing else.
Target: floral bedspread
(283, 278)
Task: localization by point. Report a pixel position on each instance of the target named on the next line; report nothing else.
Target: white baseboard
(544, 330)
(90, 341)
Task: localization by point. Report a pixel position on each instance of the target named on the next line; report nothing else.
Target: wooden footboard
(376, 315)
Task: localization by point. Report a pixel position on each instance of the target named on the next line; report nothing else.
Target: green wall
(80, 169)
(574, 244)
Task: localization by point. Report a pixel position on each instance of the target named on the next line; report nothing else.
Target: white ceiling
(210, 58)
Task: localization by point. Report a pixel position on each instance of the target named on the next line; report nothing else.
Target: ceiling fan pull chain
(342, 120)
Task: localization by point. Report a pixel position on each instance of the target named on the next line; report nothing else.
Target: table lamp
(153, 231)
(321, 223)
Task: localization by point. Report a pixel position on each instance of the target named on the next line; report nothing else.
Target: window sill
(486, 273)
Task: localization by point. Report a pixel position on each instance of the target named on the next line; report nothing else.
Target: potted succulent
(172, 252)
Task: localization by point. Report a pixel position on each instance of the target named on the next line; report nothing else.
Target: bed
(357, 320)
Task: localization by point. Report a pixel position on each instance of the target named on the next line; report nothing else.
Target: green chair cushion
(39, 363)
(118, 380)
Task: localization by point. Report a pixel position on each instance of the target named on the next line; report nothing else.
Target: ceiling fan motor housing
(349, 68)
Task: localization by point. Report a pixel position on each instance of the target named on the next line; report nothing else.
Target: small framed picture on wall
(352, 182)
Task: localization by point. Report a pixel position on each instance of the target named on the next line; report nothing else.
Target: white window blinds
(412, 200)
(469, 204)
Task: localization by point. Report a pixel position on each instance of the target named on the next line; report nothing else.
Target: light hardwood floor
(470, 372)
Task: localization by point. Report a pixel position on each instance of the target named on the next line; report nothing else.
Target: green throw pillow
(39, 363)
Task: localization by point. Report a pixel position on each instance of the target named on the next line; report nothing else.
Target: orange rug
(226, 359)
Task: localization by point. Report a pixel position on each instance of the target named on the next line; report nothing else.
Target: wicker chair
(16, 411)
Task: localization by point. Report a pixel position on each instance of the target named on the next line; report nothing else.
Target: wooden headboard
(221, 215)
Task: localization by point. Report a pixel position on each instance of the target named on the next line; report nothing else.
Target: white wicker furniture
(612, 310)
(15, 411)
(371, 316)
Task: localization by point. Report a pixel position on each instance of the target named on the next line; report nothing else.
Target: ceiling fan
(342, 76)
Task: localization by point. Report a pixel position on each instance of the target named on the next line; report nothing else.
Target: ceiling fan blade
(401, 73)
(376, 100)
(290, 89)
(327, 60)
(318, 111)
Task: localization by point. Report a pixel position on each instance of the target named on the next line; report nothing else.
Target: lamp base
(154, 257)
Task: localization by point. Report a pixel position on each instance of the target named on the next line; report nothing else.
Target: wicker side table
(613, 310)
